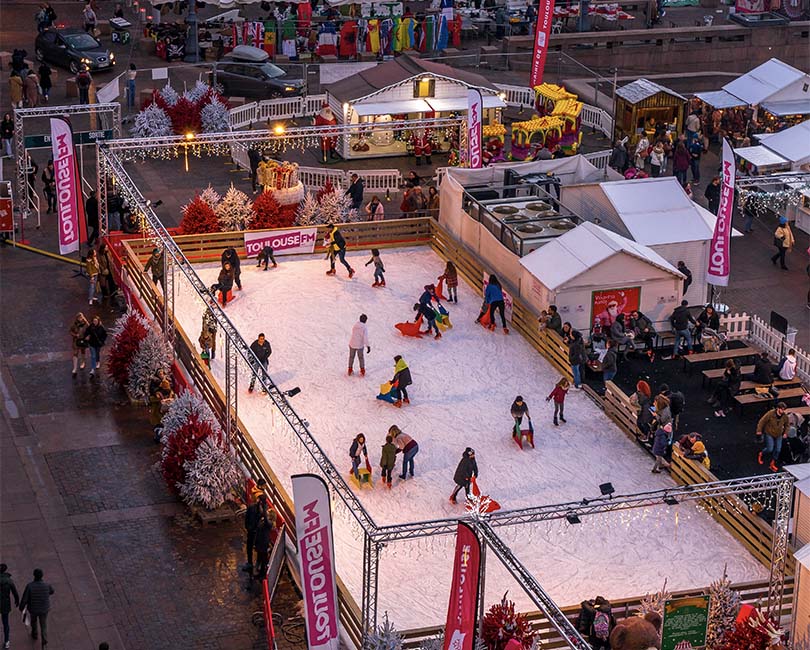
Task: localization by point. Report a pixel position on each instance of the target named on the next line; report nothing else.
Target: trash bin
(790, 337)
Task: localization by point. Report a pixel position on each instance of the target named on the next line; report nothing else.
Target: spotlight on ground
(573, 518)
(670, 500)
(292, 392)
(607, 489)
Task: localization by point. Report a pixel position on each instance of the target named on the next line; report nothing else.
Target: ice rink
(463, 387)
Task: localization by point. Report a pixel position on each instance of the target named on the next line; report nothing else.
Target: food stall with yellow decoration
(493, 136)
(568, 110)
(538, 132)
(547, 95)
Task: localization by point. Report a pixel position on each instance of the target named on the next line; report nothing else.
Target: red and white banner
(461, 612)
(68, 191)
(316, 554)
(720, 252)
(542, 31)
(475, 108)
(283, 242)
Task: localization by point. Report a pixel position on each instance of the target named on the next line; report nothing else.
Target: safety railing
(598, 119)
(242, 116)
(599, 159)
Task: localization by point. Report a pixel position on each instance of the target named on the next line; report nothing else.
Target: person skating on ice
(519, 410)
(336, 247)
(224, 283)
(261, 348)
(356, 450)
(407, 446)
(465, 471)
(401, 381)
(558, 395)
(429, 316)
(388, 458)
(493, 295)
(357, 341)
(266, 257)
(450, 277)
(230, 256)
(379, 269)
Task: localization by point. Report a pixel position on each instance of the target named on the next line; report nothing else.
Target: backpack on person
(601, 625)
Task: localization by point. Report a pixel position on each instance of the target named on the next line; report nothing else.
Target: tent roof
(760, 156)
(763, 81)
(720, 99)
(570, 255)
(401, 69)
(788, 107)
(656, 211)
(641, 89)
(792, 144)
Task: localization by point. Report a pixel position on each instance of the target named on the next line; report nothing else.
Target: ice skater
(261, 348)
(558, 395)
(379, 269)
(426, 312)
(465, 472)
(407, 446)
(493, 295)
(229, 256)
(336, 247)
(357, 341)
(388, 459)
(224, 284)
(266, 257)
(450, 277)
(519, 410)
(357, 449)
(401, 381)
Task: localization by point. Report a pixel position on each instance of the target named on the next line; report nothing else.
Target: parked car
(246, 71)
(71, 48)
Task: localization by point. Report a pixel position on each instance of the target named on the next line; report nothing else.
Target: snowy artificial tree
(168, 94)
(181, 409)
(214, 116)
(386, 637)
(198, 92)
(126, 336)
(153, 354)
(307, 214)
(152, 122)
(336, 207)
(198, 217)
(502, 623)
(235, 211)
(655, 602)
(723, 607)
(210, 476)
(181, 448)
(210, 196)
(437, 643)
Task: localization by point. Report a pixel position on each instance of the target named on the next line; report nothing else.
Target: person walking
(264, 532)
(355, 192)
(466, 470)
(773, 428)
(659, 448)
(450, 277)
(658, 159)
(406, 446)
(92, 270)
(712, 195)
(49, 186)
(155, 265)
(375, 209)
(37, 599)
(577, 357)
(401, 380)
(89, 17)
(45, 82)
(7, 590)
(95, 335)
(388, 458)
(680, 320)
(105, 269)
(680, 163)
(493, 295)
(695, 152)
(31, 86)
(357, 341)
(356, 450)
(558, 395)
(336, 247)
(79, 346)
(379, 269)
(254, 159)
(261, 348)
(7, 135)
(784, 242)
(230, 256)
(253, 515)
(132, 74)
(15, 89)
(83, 83)
(209, 331)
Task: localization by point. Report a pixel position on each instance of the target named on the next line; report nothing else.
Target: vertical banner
(545, 14)
(316, 553)
(720, 251)
(68, 191)
(475, 107)
(460, 628)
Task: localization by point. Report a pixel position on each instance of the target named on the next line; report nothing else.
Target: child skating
(519, 410)
(558, 395)
(450, 277)
(379, 269)
(266, 257)
(388, 459)
(426, 312)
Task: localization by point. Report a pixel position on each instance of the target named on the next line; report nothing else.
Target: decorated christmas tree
(307, 214)
(169, 95)
(152, 122)
(336, 207)
(181, 448)
(214, 116)
(181, 409)
(235, 211)
(502, 624)
(210, 476)
(198, 93)
(126, 337)
(198, 217)
(755, 631)
(185, 116)
(210, 196)
(153, 354)
(723, 607)
(655, 602)
(386, 637)
(269, 214)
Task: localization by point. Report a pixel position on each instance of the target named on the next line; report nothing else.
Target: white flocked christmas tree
(655, 602)
(724, 604)
(210, 196)
(386, 637)
(214, 117)
(336, 207)
(152, 122)
(210, 476)
(181, 408)
(169, 95)
(153, 354)
(235, 211)
(307, 214)
(196, 92)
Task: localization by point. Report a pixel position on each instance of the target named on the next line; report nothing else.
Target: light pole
(192, 38)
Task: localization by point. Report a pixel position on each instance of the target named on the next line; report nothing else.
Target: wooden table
(721, 355)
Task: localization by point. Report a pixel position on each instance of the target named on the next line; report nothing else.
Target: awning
(393, 108)
(788, 107)
(460, 103)
(720, 99)
(760, 156)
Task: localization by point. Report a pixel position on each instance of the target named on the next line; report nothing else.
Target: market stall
(780, 91)
(792, 144)
(406, 88)
(642, 104)
(759, 161)
(531, 135)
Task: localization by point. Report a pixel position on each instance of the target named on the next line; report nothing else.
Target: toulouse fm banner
(283, 242)
(475, 108)
(68, 203)
(316, 553)
(720, 252)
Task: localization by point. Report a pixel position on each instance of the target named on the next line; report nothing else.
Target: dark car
(247, 72)
(71, 48)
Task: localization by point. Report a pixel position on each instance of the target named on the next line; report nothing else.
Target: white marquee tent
(792, 144)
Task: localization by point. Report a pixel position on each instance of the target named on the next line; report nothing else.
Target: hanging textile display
(269, 44)
(455, 30)
(386, 32)
(397, 34)
(410, 25)
(253, 33)
(304, 15)
(429, 34)
(288, 46)
(327, 40)
(373, 36)
(348, 39)
(441, 43)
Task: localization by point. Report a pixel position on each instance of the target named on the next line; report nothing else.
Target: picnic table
(746, 399)
(721, 355)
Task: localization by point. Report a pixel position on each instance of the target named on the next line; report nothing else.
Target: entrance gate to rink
(359, 622)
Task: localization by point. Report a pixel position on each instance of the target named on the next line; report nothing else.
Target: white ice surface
(463, 387)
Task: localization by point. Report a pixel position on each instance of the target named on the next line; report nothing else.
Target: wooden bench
(800, 410)
(779, 383)
(746, 399)
(721, 355)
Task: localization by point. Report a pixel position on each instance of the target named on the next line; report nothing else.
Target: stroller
(712, 340)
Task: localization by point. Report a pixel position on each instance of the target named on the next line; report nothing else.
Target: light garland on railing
(759, 202)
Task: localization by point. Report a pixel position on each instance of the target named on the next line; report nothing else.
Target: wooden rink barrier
(731, 512)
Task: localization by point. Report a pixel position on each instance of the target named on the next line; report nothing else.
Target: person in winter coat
(388, 458)
(773, 428)
(254, 158)
(644, 330)
(662, 415)
(7, 590)
(336, 247)
(712, 195)
(224, 283)
(465, 471)
(680, 163)
(83, 83)
(266, 257)
(77, 331)
(261, 348)
(554, 320)
(725, 390)
(356, 450)
(92, 270)
(596, 622)
(37, 598)
(407, 446)
(687, 273)
(357, 341)
(786, 369)
(642, 148)
(450, 277)
(784, 242)
(45, 82)
(695, 149)
(379, 269)
(659, 448)
(264, 532)
(698, 452)
(95, 335)
(15, 89)
(91, 212)
(658, 159)
(253, 515)
(402, 379)
(155, 265)
(230, 256)
(425, 311)
(31, 85)
(618, 332)
(577, 357)
(209, 329)
(355, 191)
(609, 361)
(763, 370)
(105, 266)
(680, 320)
(643, 398)
(7, 134)
(49, 186)
(707, 318)
(375, 209)
(558, 395)
(618, 157)
(518, 410)
(493, 295)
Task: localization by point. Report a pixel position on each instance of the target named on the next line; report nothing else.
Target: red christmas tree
(502, 624)
(269, 214)
(182, 446)
(327, 188)
(198, 217)
(123, 348)
(185, 116)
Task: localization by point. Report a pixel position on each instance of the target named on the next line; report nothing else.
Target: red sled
(229, 296)
(411, 328)
(524, 433)
(493, 505)
(440, 289)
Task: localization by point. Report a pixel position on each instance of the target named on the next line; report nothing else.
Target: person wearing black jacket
(644, 330)
(355, 192)
(95, 335)
(255, 157)
(707, 318)
(680, 320)
(609, 361)
(263, 533)
(230, 256)
(577, 356)
(253, 515)
(763, 370)
(336, 247)
(356, 450)
(91, 214)
(712, 194)
(37, 598)
(224, 283)
(7, 590)
(49, 186)
(688, 279)
(726, 388)
(261, 348)
(466, 470)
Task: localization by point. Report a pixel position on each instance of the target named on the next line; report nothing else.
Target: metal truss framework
(746, 182)
(375, 537)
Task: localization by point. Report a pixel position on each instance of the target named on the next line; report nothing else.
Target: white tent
(570, 269)
(772, 81)
(721, 99)
(792, 145)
